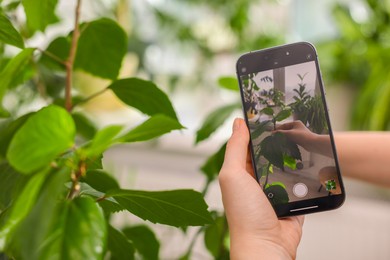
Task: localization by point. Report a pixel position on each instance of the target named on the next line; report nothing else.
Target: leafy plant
(316, 115)
(56, 198)
(358, 57)
(299, 106)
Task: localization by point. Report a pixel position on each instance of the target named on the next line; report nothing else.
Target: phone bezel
(282, 56)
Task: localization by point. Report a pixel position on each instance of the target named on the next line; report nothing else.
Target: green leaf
(46, 134)
(260, 128)
(8, 34)
(8, 132)
(143, 95)
(214, 163)
(279, 194)
(215, 120)
(103, 140)
(60, 48)
(84, 126)
(11, 185)
(153, 127)
(268, 111)
(100, 180)
(175, 208)
(22, 206)
(144, 240)
(40, 15)
(230, 83)
(119, 246)
(79, 232)
(33, 231)
(214, 237)
(285, 113)
(291, 149)
(101, 48)
(13, 68)
(109, 205)
(272, 149)
(289, 162)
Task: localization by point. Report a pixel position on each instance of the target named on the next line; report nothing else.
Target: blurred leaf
(84, 126)
(279, 194)
(285, 113)
(7, 132)
(230, 83)
(79, 232)
(144, 96)
(40, 15)
(33, 231)
(100, 180)
(289, 162)
(103, 140)
(45, 135)
(144, 241)
(12, 70)
(214, 163)
(95, 162)
(214, 237)
(291, 149)
(109, 205)
(260, 128)
(272, 149)
(101, 48)
(119, 246)
(153, 127)
(175, 208)
(8, 34)
(11, 185)
(215, 120)
(60, 48)
(268, 111)
(11, 6)
(22, 206)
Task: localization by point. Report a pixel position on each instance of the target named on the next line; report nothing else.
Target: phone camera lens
(308, 56)
(243, 70)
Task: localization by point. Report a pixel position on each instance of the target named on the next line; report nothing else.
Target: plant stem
(70, 61)
(92, 96)
(266, 176)
(81, 170)
(52, 56)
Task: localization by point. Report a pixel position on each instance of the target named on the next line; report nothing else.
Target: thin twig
(70, 61)
(80, 172)
(91, 96)
(52, 56)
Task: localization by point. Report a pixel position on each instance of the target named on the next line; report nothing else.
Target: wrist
(252, 247)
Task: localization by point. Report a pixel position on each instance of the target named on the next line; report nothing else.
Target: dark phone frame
(277, 57)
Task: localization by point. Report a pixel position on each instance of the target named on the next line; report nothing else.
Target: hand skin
(362, 155)
(365, 156)
(255, 230)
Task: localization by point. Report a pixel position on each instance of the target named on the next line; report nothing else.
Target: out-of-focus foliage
(359, 57)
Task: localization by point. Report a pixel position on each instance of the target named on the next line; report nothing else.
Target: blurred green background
(185, 46)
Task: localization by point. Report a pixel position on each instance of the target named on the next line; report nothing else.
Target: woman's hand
(255, 230)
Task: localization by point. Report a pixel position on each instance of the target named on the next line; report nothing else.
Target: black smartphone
(292, 146)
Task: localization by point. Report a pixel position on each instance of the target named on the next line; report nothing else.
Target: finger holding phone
(255, 230)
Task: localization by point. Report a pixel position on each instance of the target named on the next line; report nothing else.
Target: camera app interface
(289, 131)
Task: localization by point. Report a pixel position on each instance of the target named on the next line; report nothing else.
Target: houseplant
(56, 198)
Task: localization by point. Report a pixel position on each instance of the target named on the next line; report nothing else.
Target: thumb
(237, 146)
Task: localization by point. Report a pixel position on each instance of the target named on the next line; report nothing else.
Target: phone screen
(292, 147)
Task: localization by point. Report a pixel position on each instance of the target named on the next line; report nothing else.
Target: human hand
(255, 230)
(298, 133)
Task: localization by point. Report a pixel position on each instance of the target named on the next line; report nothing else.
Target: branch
(70, 61)
(52, 56)
(82, 169)
(91, 96)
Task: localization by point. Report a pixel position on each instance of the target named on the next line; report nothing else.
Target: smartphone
(291, 141)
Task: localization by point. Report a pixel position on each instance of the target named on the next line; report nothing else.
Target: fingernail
(236, 124)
